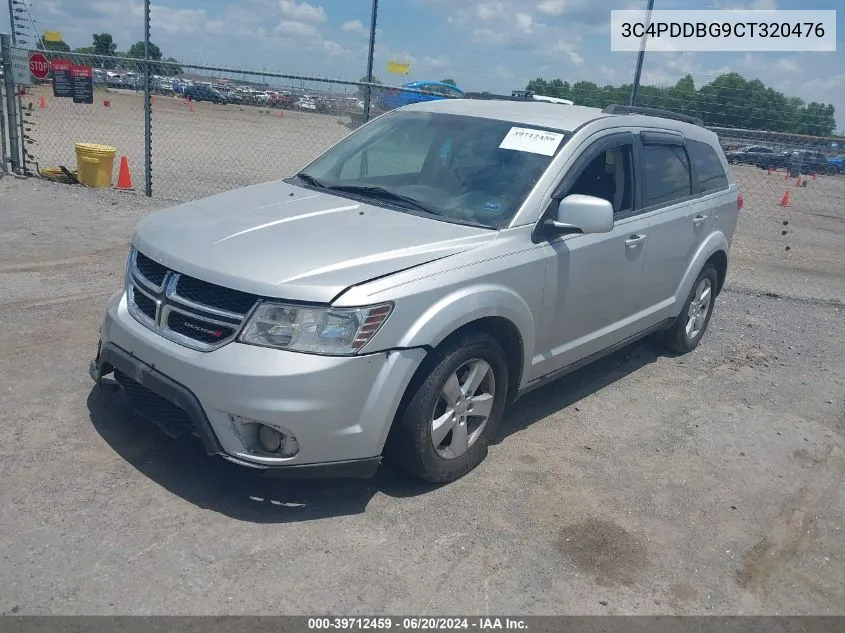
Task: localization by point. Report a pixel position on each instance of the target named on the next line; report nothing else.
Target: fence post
(148, 112)
(3, 157)
(369, 90)
(11, 107)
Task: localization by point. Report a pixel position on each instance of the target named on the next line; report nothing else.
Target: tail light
(739, 201)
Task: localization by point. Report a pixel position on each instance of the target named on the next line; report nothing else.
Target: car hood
(278, 240)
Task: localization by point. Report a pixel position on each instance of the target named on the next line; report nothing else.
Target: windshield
(454, 168)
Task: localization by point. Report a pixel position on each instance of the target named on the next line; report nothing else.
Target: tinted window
(708, 167)
(666, 173)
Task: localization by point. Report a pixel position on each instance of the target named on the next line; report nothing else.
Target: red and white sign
(39, 66)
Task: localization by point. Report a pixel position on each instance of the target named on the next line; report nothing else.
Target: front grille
(150, 270)
(170, 418)
(215, 296)
(186, 310)
(145, 304)
(198, 329)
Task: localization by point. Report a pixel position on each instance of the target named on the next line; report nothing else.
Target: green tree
(59, 47)
(451, 82)
(729, 100)
(362, 89)
(170, 67)
(104, 47)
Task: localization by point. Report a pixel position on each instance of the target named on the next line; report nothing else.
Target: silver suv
(396, 294)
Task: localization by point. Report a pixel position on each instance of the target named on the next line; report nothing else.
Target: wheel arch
(714, 249)
(496, 310)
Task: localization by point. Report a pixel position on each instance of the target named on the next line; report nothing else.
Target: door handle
(699, 219)
(632, 241)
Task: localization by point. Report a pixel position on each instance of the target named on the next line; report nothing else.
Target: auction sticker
(523, 139)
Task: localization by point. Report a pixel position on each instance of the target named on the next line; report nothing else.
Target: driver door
(593, 283)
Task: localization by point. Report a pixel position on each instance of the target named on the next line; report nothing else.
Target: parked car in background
(205, 93)
(836, 164)
(306, 103)
(764, 157)
(808, 161)
(425, 271)
(390, 99)
(282, 100)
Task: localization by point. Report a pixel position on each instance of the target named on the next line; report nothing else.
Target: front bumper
(338, 408)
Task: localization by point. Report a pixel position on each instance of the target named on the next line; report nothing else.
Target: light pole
(641, 55)
(368, 91)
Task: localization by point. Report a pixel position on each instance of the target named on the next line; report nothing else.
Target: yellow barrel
(95, 164)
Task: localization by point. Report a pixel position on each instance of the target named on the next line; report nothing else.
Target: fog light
(277, 442)
(259, 437)
(270, 439)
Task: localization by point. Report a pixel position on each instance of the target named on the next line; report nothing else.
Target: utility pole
(641, 55)
(368, 91)
(148, 113)
(12, 23)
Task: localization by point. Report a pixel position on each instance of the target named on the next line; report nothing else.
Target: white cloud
(296, 29)
(523, 22)
(301, 11)
(441, 61)
(825, 84)
(788, 65)
(353, 26)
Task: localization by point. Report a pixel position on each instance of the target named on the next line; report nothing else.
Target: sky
(495, 45)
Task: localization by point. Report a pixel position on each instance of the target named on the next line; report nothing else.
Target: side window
(609, 176)
(666, 174)
(708, 167)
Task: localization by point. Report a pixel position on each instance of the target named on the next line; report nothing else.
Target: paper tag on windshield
(523, 139)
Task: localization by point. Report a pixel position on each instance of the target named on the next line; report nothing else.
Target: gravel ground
(645, 483)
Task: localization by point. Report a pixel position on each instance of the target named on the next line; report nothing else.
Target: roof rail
(615, 108)
(491, 97)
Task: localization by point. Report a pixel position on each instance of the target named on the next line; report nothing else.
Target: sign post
(20, 66)
(62, 86)
(39, 66)
(82, 82)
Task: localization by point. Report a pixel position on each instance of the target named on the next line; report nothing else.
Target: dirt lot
(793, 251)
(711, 483)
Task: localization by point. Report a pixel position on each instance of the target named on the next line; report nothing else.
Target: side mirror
(581, 214)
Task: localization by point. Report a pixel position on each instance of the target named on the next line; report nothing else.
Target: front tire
(451, 412)
(688, 330)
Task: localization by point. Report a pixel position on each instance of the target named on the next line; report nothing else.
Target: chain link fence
(214, 129)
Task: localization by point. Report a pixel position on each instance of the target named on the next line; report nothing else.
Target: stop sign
(39, 66)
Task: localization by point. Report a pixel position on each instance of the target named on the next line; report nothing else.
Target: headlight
(330, 331)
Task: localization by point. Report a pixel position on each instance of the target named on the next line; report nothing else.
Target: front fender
(715, 242)
(465, 305)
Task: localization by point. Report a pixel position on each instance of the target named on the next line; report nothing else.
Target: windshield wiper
(308, 178)
(383, 194)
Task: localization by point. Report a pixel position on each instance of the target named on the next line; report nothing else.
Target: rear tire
(688, 330)
(450, 413)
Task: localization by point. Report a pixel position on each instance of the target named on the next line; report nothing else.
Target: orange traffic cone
(106, 103)
(786, 175)
(281, 114)
(124, 178)
(43, 102)
(191, 106)
(769, 171)
(785, 201)
(152, 99)
(814, 175)
(798, 181)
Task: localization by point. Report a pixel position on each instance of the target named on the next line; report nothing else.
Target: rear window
(666, 172)
(708, 167)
